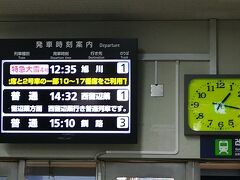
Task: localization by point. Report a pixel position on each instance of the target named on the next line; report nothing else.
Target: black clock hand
(234, 107)
(223, 100)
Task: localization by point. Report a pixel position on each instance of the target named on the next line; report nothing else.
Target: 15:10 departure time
(66, 123)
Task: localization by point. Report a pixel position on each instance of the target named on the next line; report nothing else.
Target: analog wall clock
(212, 104)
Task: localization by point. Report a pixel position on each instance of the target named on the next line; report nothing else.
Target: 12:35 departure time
(66, 69)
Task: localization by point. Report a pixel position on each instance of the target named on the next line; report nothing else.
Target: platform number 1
(122, 67)
(122, 95)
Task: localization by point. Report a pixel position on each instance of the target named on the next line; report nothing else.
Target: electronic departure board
(68, 90)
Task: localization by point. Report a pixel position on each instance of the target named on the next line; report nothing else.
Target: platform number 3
(122, 122)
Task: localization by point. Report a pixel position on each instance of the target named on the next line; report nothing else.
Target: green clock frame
(212, 105)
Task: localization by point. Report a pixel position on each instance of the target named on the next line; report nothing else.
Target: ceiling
(118, 9)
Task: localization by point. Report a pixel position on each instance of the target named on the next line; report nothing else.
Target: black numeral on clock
(220, 125)
(200, 116)
(209, 123)
(210, 88)
(231, 122)
(238, 93)
(220, 84)
(195, 104)
(202, 95)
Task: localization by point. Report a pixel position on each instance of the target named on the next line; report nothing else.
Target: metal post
(21, 169)
(213, 46)
(192, 171)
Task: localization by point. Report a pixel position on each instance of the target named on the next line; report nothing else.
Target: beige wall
(156, 115)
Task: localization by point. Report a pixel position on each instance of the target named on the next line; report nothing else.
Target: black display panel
(68, 90)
